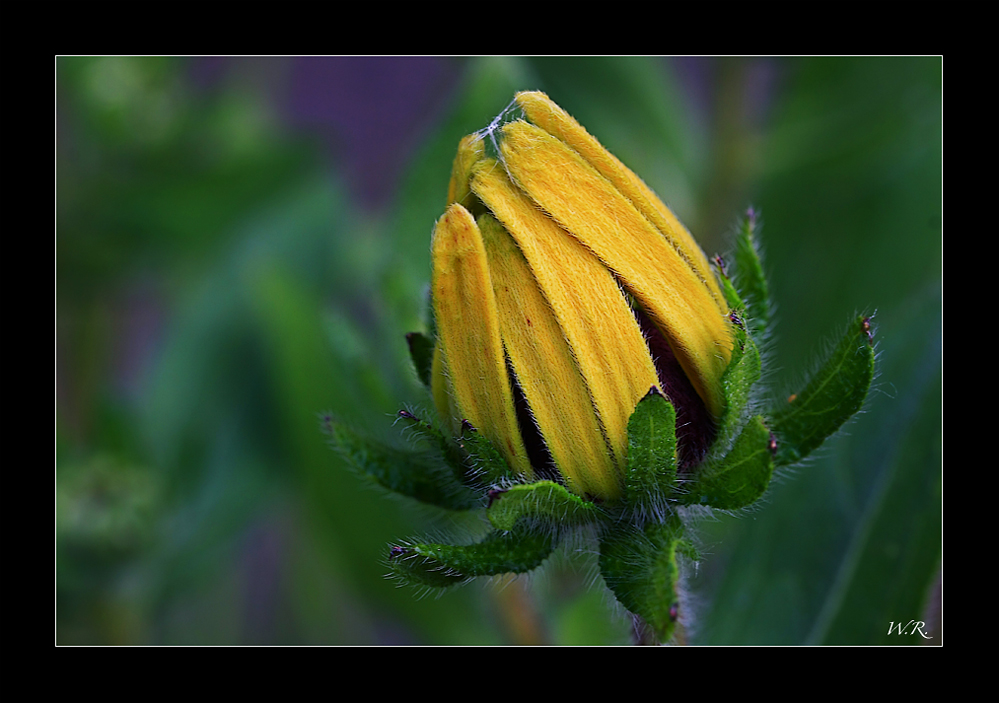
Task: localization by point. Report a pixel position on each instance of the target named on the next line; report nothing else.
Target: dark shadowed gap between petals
(695, 428)
(537, 451)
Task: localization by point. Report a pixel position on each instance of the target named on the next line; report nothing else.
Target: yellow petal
(469, 334)
(586, 301)
(470, 150)
(590, 207)
(546, 370)
(541, 111)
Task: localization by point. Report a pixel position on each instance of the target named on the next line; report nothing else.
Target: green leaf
(443, 565)
(418, 475)
(545, 499)
(639, 566)
(749, 276)
(742, 477)
(831, 397)
(651, 467)
(421, 351)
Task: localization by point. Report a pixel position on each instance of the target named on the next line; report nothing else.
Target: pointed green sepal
(421, 351)
(424, 476)
(485, 464)
(473, 458)
(742, 477)
(424, 431)
(749, 276)
(546, 500)
(443, 565)
(651, 468)
(639, 566)
(732, 296)
(831, 397)
(743, 371)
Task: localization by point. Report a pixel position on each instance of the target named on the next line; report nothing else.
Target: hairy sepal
(444, 565)
(651, 471)
(750, 277)
(424, 476)
(545, 501)
(640, 568)
(741, 477)
(832, 395)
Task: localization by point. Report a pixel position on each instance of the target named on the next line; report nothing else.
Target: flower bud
(563, 290)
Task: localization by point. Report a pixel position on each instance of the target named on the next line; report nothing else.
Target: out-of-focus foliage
(221, 284)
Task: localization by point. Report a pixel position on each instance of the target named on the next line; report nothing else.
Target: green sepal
(651, 470)
(421, 351)
(743, 371)
(749, 276)
(741, 477)
(463, 467)
(686, 548)
(473, 459)
(639, 565)
(421, 475)
(424, 431)
(546, 500)
(833, 394)
(486, 465)
(729, 290)
(744, 368)
(443, 565)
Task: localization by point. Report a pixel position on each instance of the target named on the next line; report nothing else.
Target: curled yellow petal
(468, 333)
(546, 370)
(587, 303)
(598, 215)
(541, 111)
(470, 150)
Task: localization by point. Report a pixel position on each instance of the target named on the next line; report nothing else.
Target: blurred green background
(242, 244)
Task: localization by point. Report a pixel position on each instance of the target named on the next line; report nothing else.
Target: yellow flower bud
(565, 300)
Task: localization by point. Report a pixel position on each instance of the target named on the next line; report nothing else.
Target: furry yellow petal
(587, 303)
(546, 370)
(468, 333)
(592, 208)
(541, 111)
(470, 150)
